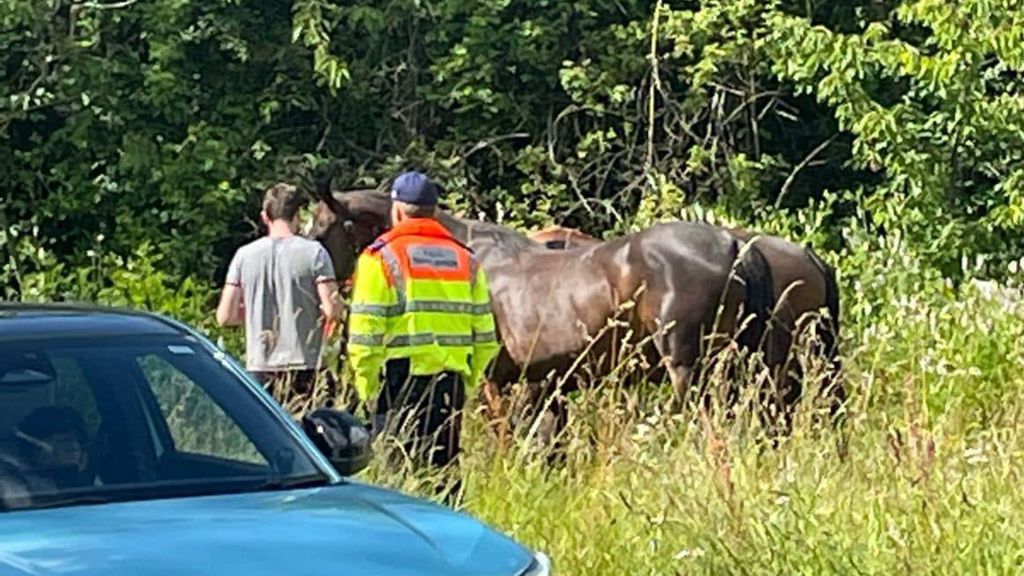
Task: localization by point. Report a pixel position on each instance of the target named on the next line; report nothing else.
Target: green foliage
(140, 281)
(934, 100)
(162, 121)
(952, 353)
(136, 138)
(311, 26)
(151, 121)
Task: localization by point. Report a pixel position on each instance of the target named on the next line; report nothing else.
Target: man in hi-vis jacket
(421, 316)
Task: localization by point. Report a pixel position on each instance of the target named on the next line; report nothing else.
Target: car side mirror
(340, 437)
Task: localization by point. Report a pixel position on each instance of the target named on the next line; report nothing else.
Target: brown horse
(686, 283)
(803, 286)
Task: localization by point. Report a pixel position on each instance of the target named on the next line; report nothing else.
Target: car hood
(350, 528)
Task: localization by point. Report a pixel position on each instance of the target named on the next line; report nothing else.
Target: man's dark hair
(282, 202)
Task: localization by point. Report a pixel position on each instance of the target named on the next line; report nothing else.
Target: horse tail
(759, 298)
(828, 332)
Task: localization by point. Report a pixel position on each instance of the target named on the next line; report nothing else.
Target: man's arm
(230, 311)
(373, 302)
(330, 299)
(326, 285)
(485, 341)
(330, 305)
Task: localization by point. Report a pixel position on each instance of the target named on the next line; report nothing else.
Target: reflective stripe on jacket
(419, 294)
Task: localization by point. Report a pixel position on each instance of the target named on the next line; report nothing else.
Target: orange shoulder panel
(430, 258)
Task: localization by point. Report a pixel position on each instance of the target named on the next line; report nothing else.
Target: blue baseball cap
(415, 188)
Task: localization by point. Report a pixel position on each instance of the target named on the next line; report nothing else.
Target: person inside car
(53, 444)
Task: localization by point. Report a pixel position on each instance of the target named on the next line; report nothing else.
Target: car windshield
(116, 419)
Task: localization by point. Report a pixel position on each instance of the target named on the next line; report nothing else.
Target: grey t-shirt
(279, 277)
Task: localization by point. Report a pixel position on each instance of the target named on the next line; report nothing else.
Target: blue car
(130, 444)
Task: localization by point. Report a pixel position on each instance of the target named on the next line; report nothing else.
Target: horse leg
(495, 409)
(678, 347)
(551, 432)
(831, 391)
(681, 377)
(776, 398)
(534, 410)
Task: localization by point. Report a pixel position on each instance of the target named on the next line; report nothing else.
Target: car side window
(196, 423)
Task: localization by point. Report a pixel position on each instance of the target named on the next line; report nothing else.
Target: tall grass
(930, 484)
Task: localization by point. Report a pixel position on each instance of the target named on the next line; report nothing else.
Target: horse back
(549, 304)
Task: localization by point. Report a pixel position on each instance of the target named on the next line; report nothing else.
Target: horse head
(347, 222)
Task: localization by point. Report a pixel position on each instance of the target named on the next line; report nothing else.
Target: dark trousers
(426, 411)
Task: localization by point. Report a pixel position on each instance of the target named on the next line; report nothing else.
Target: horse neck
(457, 226)
(486, 238)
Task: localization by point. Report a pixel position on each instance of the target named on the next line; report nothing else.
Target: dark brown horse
(690, 288)
(803, 286)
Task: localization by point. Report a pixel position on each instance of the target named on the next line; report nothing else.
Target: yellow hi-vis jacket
(419, 294)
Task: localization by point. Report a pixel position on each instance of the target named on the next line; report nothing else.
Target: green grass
(720, 509)
(931, 485)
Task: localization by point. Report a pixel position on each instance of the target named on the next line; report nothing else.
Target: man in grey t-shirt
(281, 287)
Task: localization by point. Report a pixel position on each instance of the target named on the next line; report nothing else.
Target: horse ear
(324, 194)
